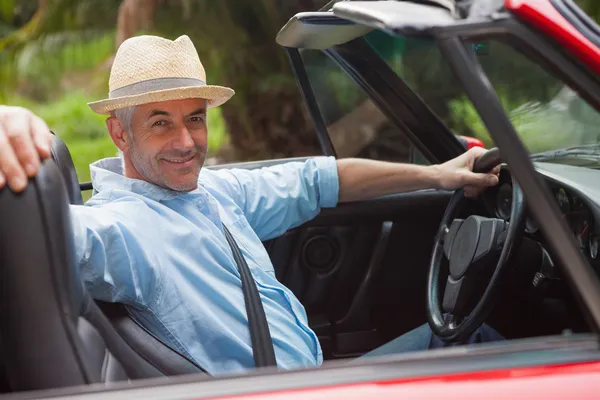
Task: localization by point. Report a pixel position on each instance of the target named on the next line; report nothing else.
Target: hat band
(153, 85)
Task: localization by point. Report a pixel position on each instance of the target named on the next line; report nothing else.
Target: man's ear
(117, 133)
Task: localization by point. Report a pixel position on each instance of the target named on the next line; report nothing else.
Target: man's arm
(362, 179)
(277, 198)
(116, 263)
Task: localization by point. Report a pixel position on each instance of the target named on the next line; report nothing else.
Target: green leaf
(7, 10)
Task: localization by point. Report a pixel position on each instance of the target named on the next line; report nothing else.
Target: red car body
(580, 381)
(472, 142)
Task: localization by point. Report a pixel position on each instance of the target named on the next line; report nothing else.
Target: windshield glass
(546, 113)
(355, 125)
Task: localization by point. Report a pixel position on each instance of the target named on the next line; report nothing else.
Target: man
(152, 237)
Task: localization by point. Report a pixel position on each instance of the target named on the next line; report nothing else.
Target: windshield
(356, 126)
(546, 113)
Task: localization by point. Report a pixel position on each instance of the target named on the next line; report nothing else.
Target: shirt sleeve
(277, 198)
(101, 234)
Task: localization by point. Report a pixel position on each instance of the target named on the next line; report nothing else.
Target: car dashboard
(576, 191)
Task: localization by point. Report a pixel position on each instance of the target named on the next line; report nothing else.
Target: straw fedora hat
(149, 69)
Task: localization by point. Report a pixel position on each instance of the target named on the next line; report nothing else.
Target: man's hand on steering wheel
(458, 173)
(477, 250)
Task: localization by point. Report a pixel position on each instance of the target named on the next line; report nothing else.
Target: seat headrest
(62, 158)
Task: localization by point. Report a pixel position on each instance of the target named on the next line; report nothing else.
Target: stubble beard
(153, 173)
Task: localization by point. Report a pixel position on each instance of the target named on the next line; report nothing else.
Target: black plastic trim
(324, 20)
(310, 101)
(380, 209)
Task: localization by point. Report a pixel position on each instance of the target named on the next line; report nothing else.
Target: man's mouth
(180, 160)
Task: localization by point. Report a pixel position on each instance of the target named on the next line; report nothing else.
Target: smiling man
(153, 236)
(150, 157)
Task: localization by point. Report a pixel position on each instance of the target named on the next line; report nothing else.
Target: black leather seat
(165, 359)
(64, 162)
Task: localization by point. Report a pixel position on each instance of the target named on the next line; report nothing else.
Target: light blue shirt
(163, 253)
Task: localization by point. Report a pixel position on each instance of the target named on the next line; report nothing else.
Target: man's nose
(184, 139)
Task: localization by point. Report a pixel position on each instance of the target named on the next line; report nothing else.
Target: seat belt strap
(262, 344)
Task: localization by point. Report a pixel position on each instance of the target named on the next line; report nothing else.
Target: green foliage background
(56, 62)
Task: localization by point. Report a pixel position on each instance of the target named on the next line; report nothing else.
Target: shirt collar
(107, 174)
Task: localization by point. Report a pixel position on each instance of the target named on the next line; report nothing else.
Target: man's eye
(161, 122)
(197, 119)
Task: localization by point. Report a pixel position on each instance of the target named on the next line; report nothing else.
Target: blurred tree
(135, 16)
(60, 36)
(236, 41)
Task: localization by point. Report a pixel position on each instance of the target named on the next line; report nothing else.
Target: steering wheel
(471, 247)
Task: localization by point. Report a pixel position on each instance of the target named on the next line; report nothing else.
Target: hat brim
(215, 96)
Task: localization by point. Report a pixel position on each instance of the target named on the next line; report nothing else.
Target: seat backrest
(165, 359)
(64, 162)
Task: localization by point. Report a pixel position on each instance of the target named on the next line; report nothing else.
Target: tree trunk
(275, 125)
(133, 16)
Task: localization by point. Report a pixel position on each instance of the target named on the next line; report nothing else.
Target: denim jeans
(422, 338)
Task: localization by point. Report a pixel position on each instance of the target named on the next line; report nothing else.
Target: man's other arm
(277, 198)
(362, 179)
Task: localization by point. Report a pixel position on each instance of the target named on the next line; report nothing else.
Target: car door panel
(360, 269)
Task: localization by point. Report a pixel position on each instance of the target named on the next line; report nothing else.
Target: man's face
(167, 143)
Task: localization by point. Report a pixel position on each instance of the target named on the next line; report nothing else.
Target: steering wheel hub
(464, 247)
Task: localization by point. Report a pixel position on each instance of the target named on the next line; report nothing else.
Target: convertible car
(397, 81)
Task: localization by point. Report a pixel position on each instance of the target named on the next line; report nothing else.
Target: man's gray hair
(124, 115)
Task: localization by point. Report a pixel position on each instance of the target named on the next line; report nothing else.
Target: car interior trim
(379, 209)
